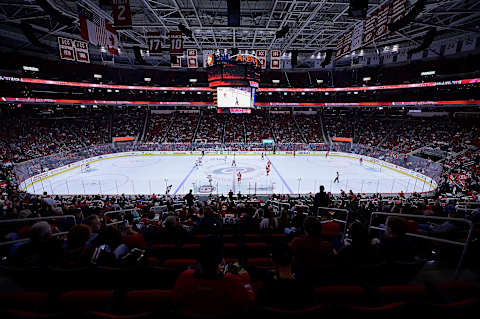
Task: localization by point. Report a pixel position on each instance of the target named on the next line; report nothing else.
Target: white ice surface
(289, 175)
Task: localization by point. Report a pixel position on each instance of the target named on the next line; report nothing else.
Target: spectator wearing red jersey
(312, 251)
(209, 290)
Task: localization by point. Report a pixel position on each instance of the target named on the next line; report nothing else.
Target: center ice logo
(230, 170)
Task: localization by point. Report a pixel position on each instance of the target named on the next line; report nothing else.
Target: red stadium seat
(139, 301)
(341, 295)
(410, 294)
(85, 300)
(179, 263)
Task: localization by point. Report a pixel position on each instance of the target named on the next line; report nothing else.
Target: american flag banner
(369, 30)
(382, 19)
(399, 7)
(357, 36)
(98, 31)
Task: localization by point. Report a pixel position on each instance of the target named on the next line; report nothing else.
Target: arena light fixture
(366, 79)
(147, 79)
(30, 68)
(426, 73)
(117, 91)
(319, 81)
(192, 80)
(109, 91)
(275, 81)
(97, 76)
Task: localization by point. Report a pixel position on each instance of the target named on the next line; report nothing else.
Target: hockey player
(233, 163)
(293, 153)
(262, 156)
(336, 180)
(268, 169)
(239, 177)
(361, 161)
(269, 163)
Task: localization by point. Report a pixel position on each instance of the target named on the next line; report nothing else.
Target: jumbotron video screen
(235, 97)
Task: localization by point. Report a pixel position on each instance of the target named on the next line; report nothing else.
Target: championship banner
(399, 7)
(192, 60)
(275, 59)
(67, 51)
(357, 36)
(262, 58)
(382, 19)
(81, 51)
(122, 15)
(176, 42)
(369, 31)
(154, 42)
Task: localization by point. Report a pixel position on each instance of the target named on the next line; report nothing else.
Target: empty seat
(86, 300)
(342, 295)
(140, 301)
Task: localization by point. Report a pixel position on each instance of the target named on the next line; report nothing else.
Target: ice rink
(216, 174)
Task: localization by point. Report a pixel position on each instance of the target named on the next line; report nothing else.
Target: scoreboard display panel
(235, 97)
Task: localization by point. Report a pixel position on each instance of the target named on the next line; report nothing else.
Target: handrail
(23, 220)
(459, 243)
(347, 219)
(25, 240)
(116, 212)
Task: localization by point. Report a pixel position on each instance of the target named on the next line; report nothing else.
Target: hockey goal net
(84, 167)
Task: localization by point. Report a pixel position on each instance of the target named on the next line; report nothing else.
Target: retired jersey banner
(192, 59)
(176, 42)
(469, 43)
(154, 41)
(382, 19)
(369, 31)
(67, 51)
(81, 51)
(122, 15)
(262, 58)
(357, 36)
(347, 42)
(177, 63)
(339, 46)
(399, 8)
(450, 47)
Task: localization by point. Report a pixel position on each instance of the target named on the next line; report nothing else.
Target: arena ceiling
(314, 25)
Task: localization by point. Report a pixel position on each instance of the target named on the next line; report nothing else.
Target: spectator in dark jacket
(396, 246)
(281, 288)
